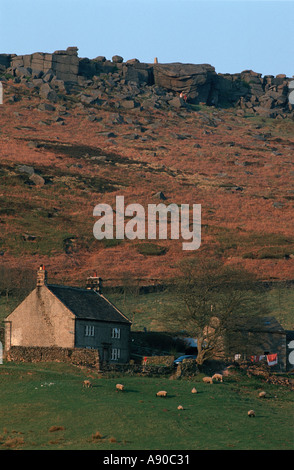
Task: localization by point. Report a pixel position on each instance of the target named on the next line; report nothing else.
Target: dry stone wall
(77, 356)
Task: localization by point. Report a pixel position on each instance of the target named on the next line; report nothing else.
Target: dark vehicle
(181, 358)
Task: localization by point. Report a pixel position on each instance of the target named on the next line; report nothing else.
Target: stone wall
(77, 356)
(158, 360)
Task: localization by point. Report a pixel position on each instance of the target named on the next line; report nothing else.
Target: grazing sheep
(251, 414)
(193, 390)
(119, 387)
(87, 384)
(207, 380)
(262, 394)
(217, 377)
(180, 407)
(162, 393)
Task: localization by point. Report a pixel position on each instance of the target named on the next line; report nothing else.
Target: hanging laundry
(257, 358)
(272, 359)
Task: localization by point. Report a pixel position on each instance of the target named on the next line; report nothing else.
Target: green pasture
(45, 407)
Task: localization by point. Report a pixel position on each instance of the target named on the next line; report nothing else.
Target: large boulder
(47, 93)
(194, 80)
(117, 59)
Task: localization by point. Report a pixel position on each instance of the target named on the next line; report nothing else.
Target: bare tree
(16, 283)
(212, 301)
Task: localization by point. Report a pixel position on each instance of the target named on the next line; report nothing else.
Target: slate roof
(259, 324)
(87, 304)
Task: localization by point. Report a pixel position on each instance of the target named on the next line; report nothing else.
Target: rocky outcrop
(159, 85)
(195, 81)
(64, 65)
(266, 96)
(134, 71)
(5, 60)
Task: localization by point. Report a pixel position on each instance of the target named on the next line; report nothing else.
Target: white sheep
(217, 377)
(119, 387)
(262, 394)
(180, 407)
(251, 414)
(87, 384)
(207, 380)
(193, 390)
(162, 393)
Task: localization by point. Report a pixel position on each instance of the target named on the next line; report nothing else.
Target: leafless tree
(16, 282)
(211, 302)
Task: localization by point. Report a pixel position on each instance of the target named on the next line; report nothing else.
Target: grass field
(45, 407)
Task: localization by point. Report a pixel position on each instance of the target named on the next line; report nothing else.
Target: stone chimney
(94, 283)
(41, 276)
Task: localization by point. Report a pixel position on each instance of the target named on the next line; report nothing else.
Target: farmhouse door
(105, 354)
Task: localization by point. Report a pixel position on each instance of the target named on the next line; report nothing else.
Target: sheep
(119, 387)
(251, 414)
(193, 390)
(180, 407)
(207, 380)
(262, 394)
(162, 393)
(217, 377)
(87, 384)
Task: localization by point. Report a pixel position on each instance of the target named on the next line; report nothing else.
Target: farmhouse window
(89, 330)
(115, 333)
(115, 354)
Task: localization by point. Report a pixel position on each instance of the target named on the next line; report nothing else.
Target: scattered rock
(34, 145)
(160, 195)
(29, 170)
(177, 102)
(278, 205)
(47, 93)
(28, 237)
(128, 104)
(37, 180)
(46, 107)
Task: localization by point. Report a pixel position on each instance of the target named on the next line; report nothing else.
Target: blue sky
(230, 35)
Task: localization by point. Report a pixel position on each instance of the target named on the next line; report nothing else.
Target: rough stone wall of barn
(273, 343)
(40, 320)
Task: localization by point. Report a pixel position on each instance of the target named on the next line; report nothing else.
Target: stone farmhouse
(55, 316)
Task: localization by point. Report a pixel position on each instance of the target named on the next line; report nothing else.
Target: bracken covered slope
(61, 156)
